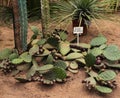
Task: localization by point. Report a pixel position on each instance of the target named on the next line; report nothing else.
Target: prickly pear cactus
(112, 53)
(98, 41)
(103, 89)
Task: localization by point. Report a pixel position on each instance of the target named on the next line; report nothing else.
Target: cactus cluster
(48, 61)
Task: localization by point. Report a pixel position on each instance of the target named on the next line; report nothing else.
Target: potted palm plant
(81, 12)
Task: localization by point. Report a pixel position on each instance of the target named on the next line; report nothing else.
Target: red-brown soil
(10, 88)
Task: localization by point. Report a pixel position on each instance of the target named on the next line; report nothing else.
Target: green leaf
(64, 47)
(96, 51)
(73, 56)
(103, 89)
(98, 41)
(112, 53)
(60, 64)
(26, 57)
(107, 75)
(4, 54)
(34, 49)
(17, 61)
(90, 59)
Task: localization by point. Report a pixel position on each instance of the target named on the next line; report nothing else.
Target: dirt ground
(10, 88)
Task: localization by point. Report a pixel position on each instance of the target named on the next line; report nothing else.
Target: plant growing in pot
(81, 12)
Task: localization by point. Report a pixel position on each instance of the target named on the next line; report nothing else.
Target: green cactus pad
(93, 74)
(90, 59)
(98, 41)
(45, 67)
(74, 71)
(73, 65)
(53, 41)
(13, 56)
(96, 51)
(41, 42)
(17, 61)
(91, 81)
(60, 64)
(117, 66)
(49, 59)
(84, 45)
(107, 75)
(73, 56)
(103, 89)
(45, 53)
(64, 47)
(63, 36)
(48, 46)
(55, 73)
(81, 60)
(112, 53)
(34, 49)
(22, 80)
(31, 72)
(103, 46)
(26, 57)
(4, 54)
(34, 42)
(23, 67)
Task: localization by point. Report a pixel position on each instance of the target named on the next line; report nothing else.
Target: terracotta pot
(76, 22)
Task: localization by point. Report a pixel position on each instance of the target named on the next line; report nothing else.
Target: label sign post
(78, 31)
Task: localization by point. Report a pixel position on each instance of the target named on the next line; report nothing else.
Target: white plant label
(78, 30)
